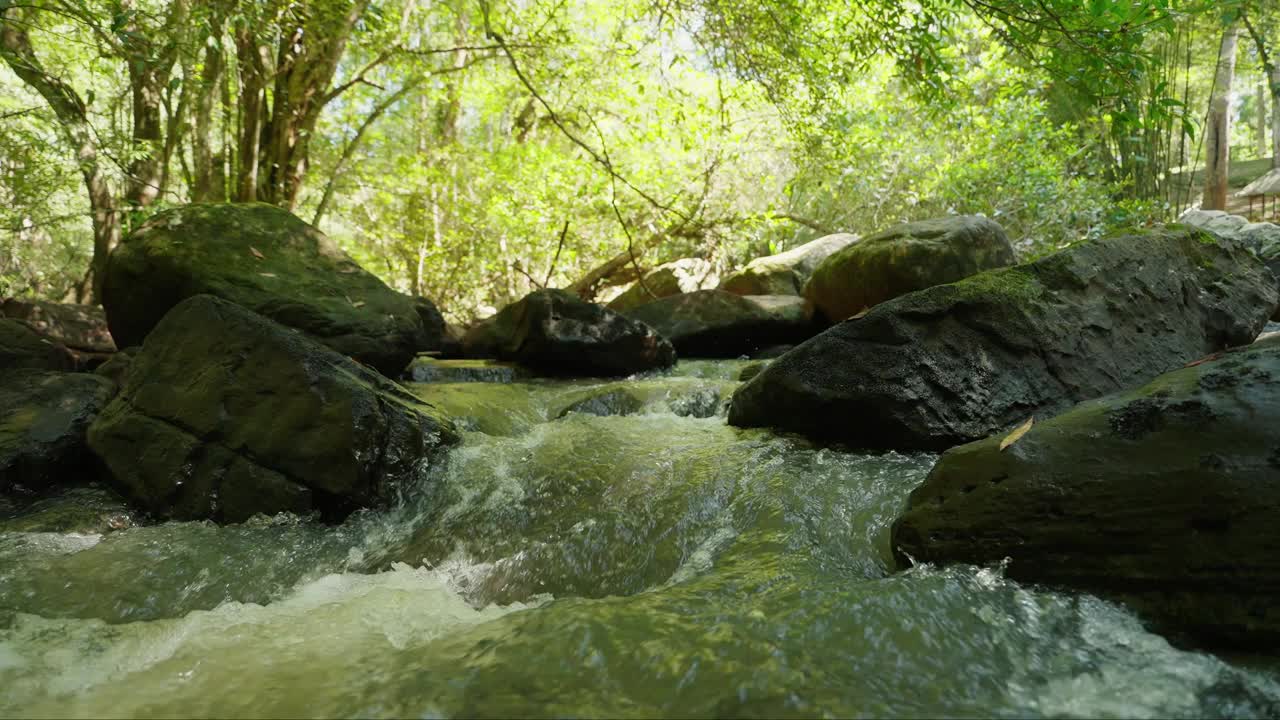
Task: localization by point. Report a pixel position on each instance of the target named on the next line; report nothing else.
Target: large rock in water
(680, 276)
(43, 419)
(265, 259)
(786, 272)
(557, 333)
(22, 348)
(715, 323)
(905, 258)
(1165, 496)
(224, 414)
(955, 363)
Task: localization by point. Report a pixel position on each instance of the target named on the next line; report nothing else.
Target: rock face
(79, 327)
(786, 272)
(557, 333)
(225, 414)
(1263, 237)
(433, 337)
(43, 420)
(1165, 496)
(673, 278)
(955, 363)
(902, 259)
(426, 369)
(715, 323)
(267, 260)
(22, 348)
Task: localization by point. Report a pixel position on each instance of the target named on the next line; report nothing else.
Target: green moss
(1015, 284)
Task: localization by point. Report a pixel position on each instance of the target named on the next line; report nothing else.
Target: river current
(590, 549)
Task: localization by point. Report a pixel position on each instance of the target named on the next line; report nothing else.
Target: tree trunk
(1275, 115)
(15, 47)
(206, 188)
(1260, 97)
(1218, 132)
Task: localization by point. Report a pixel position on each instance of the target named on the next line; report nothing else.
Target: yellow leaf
(1017, 433)
(255, 252)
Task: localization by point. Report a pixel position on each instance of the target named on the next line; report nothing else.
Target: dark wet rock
(752, 370)
(43, 420)
(425, 369)
(786, 272)
(117, 366)
(1165, 497)
(226, 413)
(606, 402)
(434, 335)
(902, 259)
(22, 348)
(1263, 238)
(267, 260)
(85, 509)
(771, 352)
(673, 278)
(82, 328)
(715, 323)
(630, 399)
(557, 333)
(955, 363)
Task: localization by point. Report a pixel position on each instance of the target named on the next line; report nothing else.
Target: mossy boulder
(954, 363)
(557, 333)
(1263, 238)
(904, 258)
(715, 323)
(22, 348)
(1165, 497)
(43, 420)
(225, 413)
(673, 278)
(786, 272)
(267, 260)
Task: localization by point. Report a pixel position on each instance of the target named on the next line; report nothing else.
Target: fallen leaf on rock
(255, 252)
(1203, 360)
(1017, 433)
(267, 274)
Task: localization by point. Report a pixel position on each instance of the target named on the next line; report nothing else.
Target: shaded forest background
(473, 150)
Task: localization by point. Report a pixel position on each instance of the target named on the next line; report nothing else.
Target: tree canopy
(473, 150)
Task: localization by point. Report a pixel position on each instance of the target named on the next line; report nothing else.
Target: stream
(563, 562)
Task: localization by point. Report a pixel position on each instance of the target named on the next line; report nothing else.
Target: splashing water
(590, 549)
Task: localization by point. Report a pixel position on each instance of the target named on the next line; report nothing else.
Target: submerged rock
(557, 333)
(43, 420)
(715, 323)
(955, 363)
(907, 257)
(425, 369)
(786, 272)
(680, 276)
(1165, 496)
(267, 260)
(22, 348)
(225, 414)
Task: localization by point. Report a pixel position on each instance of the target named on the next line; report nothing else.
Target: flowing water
(589, 549)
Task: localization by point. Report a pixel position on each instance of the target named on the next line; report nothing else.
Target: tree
(1264, 29)
(1218, 133)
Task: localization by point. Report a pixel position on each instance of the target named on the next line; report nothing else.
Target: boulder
(225, 414)
(557, 333)
(81, 328)
(1263, 238)
(902, 259)
(43, 419)
(673, 278)
(426, 369)
(1165, 497)
(267, 260)
(786, 272)
(957, 362)
(715, 323)
(434, 336)
(22, 348)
